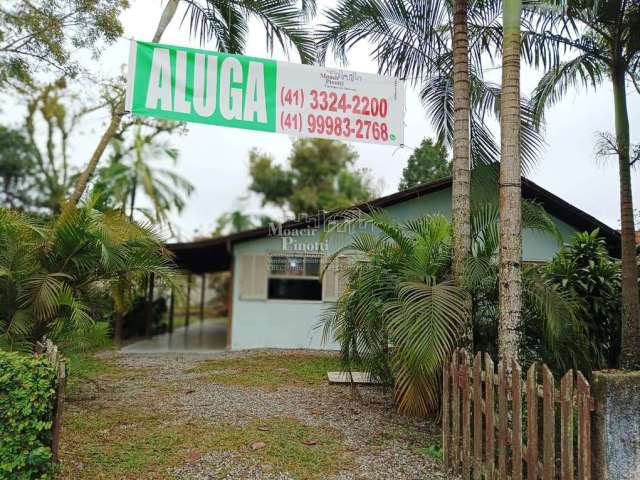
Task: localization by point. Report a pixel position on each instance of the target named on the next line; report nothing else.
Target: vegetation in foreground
(271, 370)
(109, 432)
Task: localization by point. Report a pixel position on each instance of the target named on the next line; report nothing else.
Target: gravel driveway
(336, 433)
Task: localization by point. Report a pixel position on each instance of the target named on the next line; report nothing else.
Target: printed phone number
(334, 102)
(335, 126)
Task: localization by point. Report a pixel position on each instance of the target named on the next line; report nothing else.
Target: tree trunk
(630, 353)
(118, 331)
(116, 116)
(510, 273)
(460, 187)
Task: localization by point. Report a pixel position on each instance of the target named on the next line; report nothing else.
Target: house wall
(298, 324)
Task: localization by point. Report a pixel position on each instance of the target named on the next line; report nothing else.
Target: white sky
(215, 158)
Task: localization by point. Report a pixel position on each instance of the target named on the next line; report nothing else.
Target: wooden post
(202, 287)
(566, 426)
(549, 427)
(502, 419)
(489, 416)
(516, 438)
(56, 426)
(532, 423)
(477, 416)
(455, 412)
(446, 422)
(171, 310)
(584, 430)
(466, 417)
(186, 318)
(148, 306)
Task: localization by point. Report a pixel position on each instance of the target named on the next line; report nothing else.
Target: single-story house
(277, 298)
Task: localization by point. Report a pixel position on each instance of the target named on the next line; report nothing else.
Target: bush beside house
(27, 390)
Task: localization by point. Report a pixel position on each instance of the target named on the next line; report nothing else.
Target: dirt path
(258, 415)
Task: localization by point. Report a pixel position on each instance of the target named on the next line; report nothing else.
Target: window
(294, 277)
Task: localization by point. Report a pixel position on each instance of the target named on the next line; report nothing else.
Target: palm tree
(52, 272)
(605, 37)
(438, 45)
(510, 293)
(400, 315)
(131, 168)
(227, 24)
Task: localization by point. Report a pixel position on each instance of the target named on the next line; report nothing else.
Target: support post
(186, 318)
(230, 304)
(171, 310)
(616, 425)
(202, 287)
(149, 306)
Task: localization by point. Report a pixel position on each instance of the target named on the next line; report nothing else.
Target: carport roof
(214, 255)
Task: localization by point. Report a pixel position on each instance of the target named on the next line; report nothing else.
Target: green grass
(142, 444)
(270, 369)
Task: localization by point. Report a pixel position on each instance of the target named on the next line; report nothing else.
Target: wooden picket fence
(48, 349)
(487, 435)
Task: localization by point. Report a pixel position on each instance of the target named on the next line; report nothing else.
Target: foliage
(43, 34)
(34, 162)
(318, 177)
(428, 162)
(227, 24)
(26, 394)
(400, 315)
(271, 370)
(132, 168)
(584, 268)
(551, 330)
(135, 318)
(585, 43)
(412, 40)
(17, 168)
(52, 270)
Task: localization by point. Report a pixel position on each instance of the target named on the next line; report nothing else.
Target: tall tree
(227, 24)
(42, 34)
(510, 273)
(134, 168)
(53, 119)
(319, 176)
(17, 169)
(604, 36)
(428, 162)
(427, 43)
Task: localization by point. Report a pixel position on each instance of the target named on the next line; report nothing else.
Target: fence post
(502, 419)
(549, 427)
(516, 439)
(455, 412)
(489, 416)
(616, 443)
(566, 426)
(532, 422)
(446, 426)
(477, 416)
(466, 417)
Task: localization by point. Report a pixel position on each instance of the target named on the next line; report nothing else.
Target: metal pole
(204, 278)
(171, 308)
(149, 306)
(186, 320)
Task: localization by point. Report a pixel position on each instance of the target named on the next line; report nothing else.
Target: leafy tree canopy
(428, 162)
(319, 175)
(42, 34)
(17, 167)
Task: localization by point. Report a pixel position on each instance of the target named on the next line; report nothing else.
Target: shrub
(584, 268)
(27, 386)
